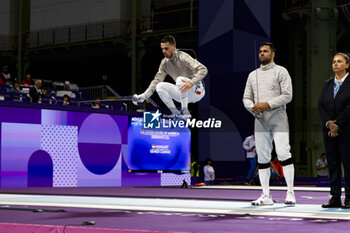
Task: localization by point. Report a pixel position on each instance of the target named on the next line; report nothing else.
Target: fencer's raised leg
(169, 92)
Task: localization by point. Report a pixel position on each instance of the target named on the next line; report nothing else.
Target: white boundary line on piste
(176, 205)
(275, 188)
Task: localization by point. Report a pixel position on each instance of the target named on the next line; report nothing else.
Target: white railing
(8, 42)
(80, 32)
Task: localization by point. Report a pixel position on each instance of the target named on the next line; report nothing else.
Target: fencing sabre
(259, 115)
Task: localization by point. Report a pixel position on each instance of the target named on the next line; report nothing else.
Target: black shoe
(333, 203)
(249, 182)
(346, 204)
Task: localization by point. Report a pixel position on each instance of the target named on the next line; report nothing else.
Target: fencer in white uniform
(268, 90)
(185, 71)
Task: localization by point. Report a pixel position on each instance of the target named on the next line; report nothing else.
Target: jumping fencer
(268, 90)
(187, 74)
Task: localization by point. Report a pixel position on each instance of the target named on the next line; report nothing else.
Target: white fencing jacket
(179, 64)
(274, 87)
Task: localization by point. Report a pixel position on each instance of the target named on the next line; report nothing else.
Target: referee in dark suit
(334, 110)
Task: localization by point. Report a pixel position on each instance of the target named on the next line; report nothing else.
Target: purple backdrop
(45, 147)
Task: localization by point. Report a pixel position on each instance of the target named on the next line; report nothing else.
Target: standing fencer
(268, 90)
(187, 74)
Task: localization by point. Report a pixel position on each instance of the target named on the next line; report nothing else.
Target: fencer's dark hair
(322, 154)
(271, 45)
(168, 38)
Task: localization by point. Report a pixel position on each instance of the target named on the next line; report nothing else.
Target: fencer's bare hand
(332, 126)
(43, 92)
(250, 149)
(332, 134)
(186, 87)
(260, 107)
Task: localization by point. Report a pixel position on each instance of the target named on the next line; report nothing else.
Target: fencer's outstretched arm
(159, 77)
(286, 90)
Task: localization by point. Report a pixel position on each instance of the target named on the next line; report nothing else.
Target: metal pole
(133, 46)
(152, 19)
(20, 41)
(191, 14)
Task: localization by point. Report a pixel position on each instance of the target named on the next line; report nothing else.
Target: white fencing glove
(138, 99)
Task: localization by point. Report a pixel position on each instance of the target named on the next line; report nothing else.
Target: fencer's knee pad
(263, 165)
(287, 162)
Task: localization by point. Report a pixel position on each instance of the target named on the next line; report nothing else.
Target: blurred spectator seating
(79, 98)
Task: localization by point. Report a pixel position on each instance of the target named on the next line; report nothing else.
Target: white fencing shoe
(263, 200)
(290, 199)
(185, 115)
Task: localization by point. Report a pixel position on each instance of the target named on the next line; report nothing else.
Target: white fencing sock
(288, 172)
(184, 102)
(264, 177)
